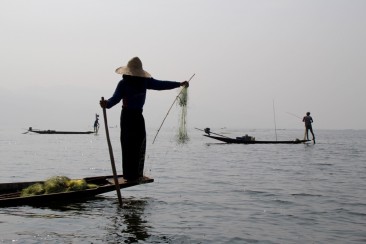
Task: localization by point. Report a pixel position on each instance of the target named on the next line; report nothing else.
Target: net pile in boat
(56, 184)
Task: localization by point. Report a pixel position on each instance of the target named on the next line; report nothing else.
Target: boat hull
(239, 141)
(10, 192)
(61, 132)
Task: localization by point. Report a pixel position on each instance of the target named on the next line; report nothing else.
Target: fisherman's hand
(103, 103)
(184, 83)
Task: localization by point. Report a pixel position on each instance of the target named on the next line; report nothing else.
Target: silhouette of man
(96, 123)
(308, 120)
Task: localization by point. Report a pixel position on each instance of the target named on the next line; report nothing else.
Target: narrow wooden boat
(10, 192)
(246, 139)
(58, 132)
(243, 141)
(61, 132)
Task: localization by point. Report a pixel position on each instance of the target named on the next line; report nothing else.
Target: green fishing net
(182, 136)
(35, 189)
(56, 184)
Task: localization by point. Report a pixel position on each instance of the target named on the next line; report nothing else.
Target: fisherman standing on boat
(308, 121)
(132, 91)
(96, 123)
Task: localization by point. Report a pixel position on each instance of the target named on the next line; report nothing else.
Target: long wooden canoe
(246, 139)
(241, 141)
(60, 132)
(10, 192)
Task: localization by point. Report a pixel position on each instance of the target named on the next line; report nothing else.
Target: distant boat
(247, 139)
(58, 132)
(10, 193)
(241, 141)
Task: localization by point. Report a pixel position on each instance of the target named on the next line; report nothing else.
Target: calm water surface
(204, 192)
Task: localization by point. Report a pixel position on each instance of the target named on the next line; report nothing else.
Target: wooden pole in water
(115, 177)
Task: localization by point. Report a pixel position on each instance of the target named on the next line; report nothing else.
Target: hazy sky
(58, 58)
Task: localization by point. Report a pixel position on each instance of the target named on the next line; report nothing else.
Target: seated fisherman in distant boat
(308, 121)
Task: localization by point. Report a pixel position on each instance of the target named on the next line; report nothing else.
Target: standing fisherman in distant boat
(96, 123)
(132, 91)
(308, 121)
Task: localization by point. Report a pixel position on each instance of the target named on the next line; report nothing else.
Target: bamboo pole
(115, 177)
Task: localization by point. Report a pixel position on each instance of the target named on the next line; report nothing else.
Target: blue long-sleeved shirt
(132, 90)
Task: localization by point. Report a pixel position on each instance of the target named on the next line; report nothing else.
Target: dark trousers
(133, 143)
(307, 128)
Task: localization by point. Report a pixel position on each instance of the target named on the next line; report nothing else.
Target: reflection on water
(128, 223)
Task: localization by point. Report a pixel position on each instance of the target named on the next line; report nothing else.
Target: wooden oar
(115, 177)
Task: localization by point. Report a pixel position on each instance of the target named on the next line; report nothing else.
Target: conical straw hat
(134, 68)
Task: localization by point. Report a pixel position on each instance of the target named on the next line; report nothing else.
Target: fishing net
(56, 184)
(77, 185)
(182, 136)
(33, 190)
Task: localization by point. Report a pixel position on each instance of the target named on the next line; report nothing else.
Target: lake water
(204, 191)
